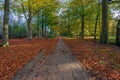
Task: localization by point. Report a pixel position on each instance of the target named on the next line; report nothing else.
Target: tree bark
(42, 26)
(118, 34)
(5, 40)
(82, 27)
(104, 32)
(68, 25)
(29, 21)
(29, 26)
(39, 26)
(28, 18)
(95, 29)
(45, 26)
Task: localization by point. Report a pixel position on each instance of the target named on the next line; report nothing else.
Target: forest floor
(102, 61)
(20, 52)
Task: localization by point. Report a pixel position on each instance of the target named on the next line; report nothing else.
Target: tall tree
(82, 20)
(96, 22)
(49, 10)
(104, 32)
(5, 40)
(118, 34)
(82, 9)
(29, 20)
(29, 8)
(38, 24)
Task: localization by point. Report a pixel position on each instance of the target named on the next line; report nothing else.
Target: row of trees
(84, 18)
(43, 11)
(104, 32)
(75, 17)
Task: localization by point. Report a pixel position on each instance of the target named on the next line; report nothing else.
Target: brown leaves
(21, 51)
(102, 61)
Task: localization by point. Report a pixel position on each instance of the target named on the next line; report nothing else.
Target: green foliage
(74, 12)
(34, 30)
(68, 23)
(17, 31)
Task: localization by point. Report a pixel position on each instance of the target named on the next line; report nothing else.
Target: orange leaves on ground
(102, 61)
(21, 51)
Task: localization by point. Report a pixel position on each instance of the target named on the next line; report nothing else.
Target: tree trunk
(82, 27)
(29, 31)
(104, 32)
(38, 26)
(69, 31)
(42, 26)
(118, 34)
(45, 26)
(95, 29)
(68, 25)
(5, 40)
(29, 22)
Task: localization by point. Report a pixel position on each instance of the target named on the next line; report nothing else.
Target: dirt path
(61, 65)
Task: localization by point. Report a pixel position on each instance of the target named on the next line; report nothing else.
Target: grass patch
(112, 39)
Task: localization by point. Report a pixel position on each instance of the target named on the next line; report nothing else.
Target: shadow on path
(61, 65)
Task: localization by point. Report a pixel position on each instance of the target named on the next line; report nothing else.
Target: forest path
(61, 65)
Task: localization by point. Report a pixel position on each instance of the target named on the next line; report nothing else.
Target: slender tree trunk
(99, 24)
(69, 32)
(45, 26)
(28, 19)
(104, 32)
(82, 27)
(118, 34)
(5, 40)
(42, 26)
(68, 25)
(29, 29)
(95, 29)
(1, 25)
(29, 22)
(38, 26)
